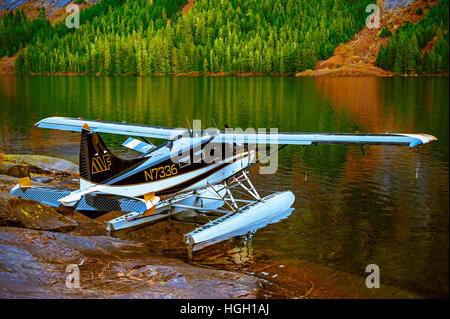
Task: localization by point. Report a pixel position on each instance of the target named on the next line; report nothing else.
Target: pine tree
(270, 36)
(381, 58)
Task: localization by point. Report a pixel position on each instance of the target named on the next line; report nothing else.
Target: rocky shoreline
(34, 265)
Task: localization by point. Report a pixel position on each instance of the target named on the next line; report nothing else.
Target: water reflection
(247, 231)
(231, 253)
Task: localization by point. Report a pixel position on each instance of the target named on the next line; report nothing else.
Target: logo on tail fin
(101, 164)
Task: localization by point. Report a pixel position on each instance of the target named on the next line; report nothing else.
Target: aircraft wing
(410, 140)
(75, 125)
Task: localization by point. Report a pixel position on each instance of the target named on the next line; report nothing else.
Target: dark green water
(388, 207)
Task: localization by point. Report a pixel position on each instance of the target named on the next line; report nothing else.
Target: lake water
(386, 206)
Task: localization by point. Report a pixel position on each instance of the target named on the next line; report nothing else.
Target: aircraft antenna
(191, 132)
(215, 124)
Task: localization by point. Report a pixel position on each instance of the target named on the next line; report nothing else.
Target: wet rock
(41, 178)
(7, 182)
(86, 226)
(63, 182)
(14, 170)
(38, 164)
(43, 171)
(33, 264)
(25, 213)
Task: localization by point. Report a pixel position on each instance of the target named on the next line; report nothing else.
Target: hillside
(272, 37)
(233, 37)
(419, 48)
(358, 57)
(55, 9)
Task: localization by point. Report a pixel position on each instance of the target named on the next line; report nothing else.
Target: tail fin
(97, 163)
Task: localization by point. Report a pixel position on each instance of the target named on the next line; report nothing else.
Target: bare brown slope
(187, 7)
(358, 56)
(7, 64)
(60, 13)
(31, 10)
(54, 13)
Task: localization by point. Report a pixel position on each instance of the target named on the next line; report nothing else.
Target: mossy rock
(26, 213)
(14, 170)
(18, 171)
(38, 164)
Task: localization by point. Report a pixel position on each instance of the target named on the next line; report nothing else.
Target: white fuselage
(233, 165)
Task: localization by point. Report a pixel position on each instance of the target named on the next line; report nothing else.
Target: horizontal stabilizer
(44, 195)
(137, 145)
(104, 202)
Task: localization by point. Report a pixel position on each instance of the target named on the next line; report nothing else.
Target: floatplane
(175, 176)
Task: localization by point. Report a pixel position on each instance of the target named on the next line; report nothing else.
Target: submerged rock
(41, 179)
(25, 213)
(33, 265)
(38, 164)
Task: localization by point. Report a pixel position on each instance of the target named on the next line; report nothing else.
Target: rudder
(97, 163)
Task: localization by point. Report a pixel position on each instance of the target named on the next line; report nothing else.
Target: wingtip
(432, 138)
(428, 138)
(421, 139)
(45, 120)
(38, 123)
